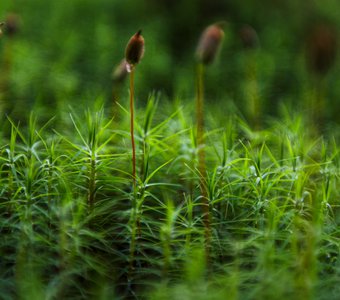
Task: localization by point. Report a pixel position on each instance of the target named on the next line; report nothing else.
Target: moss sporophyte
(133, 54)
(208, 47)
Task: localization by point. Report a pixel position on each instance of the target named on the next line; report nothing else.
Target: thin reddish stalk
(132, 128)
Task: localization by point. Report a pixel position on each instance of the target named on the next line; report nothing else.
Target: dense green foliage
(72, 225)
(68, 213)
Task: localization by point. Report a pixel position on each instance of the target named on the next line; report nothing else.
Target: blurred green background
(65, 50)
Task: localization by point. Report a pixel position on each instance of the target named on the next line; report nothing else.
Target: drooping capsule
(12, 24)
(321, 48)
(210, 43)
(1, 26)
(249, 37)
(120, 73)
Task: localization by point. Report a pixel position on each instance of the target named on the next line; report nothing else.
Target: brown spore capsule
(1, 26)
(321, 48)
(135, 49)
(12, 24)
(120, 73)
(249, 37)
(209, 43)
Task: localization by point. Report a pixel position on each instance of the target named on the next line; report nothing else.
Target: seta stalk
(133, 54)
(132, 118)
